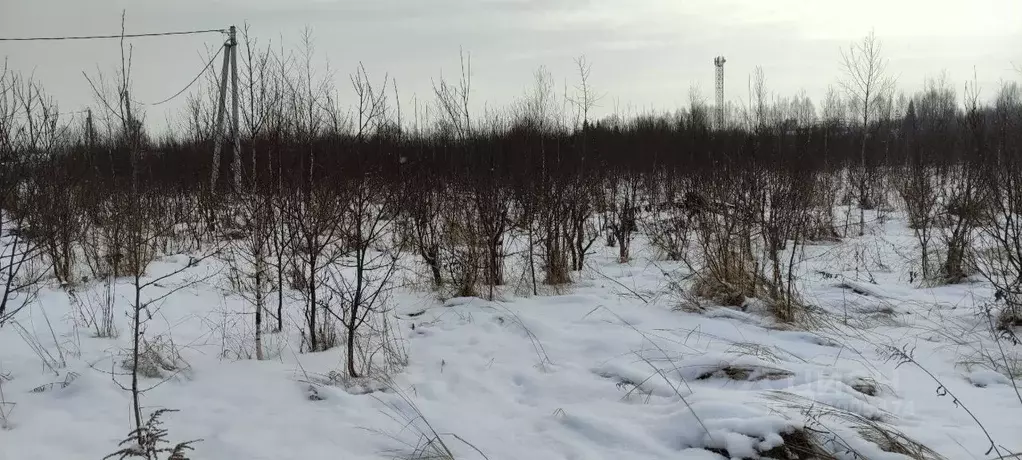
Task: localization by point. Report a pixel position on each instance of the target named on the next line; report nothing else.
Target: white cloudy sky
(646, 53)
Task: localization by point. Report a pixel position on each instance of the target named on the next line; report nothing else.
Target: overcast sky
(646, 54)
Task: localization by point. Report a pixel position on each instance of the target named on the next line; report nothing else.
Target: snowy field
(619, 365)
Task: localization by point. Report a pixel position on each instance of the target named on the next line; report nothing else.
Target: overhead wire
(138, 35)
(197, 77)
(113, 36)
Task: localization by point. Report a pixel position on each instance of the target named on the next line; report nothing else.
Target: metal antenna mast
(718, 111)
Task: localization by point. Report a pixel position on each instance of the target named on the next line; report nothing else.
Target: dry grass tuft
(866, 386)
(799, 444)
(739, 285)
(892, 440)
(730, 285)
(157, 359)
(746, 373)
(1009, 319)
(824, 420)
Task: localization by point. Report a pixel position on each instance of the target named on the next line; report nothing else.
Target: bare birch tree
(868, 86)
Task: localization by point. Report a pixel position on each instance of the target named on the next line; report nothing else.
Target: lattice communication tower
(718, 111)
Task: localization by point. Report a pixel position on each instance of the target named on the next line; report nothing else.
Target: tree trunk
(311, 308)
(260, 304)
(351, 343)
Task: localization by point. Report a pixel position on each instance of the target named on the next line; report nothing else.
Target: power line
(204, 69)
(100, 37)
(74, 112)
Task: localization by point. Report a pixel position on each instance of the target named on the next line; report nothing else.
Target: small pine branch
(150, 441)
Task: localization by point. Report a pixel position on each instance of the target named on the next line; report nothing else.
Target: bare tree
(42, 136)
(360, 283)
(868, 87)
(584, 98)
(580, 230)
(372, 103)
(316, 219)
(313, 211)
(425, 202)
(18, 253)
(453, 100)
(958, 182)
(919, 190)
(258, 98)
(1002, 265)
(624, 209)
(758, 96)
(248, 259)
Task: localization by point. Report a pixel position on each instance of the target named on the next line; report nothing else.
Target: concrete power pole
(230, 67)
(718, 111)
(235, 135)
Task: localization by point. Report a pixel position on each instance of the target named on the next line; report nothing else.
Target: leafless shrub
(105, 240)
(963, 197)
(728, 272)
(784, 218)
(52, 360)
(157, 358)
(740, 234)
(95, 309)
(492, 203)
(425, 201)
(728, 283)
(316, 218)
(463, 258)
(6, 407)
(20, 250)
(554, 247)
(669, 231)
(920, 194)
(581, 230)
(624, 209)
(65, 382)
(21, 273)
(964, 211)
(821, 225)
(1000, 263)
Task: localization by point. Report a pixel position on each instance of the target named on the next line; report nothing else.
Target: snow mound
(985, 377)
(597, 374)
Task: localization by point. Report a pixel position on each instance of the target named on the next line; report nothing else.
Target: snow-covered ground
(608, 368)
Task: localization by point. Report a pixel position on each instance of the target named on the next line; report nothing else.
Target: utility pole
(89, 129)
(230, 67)
(236, 150)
